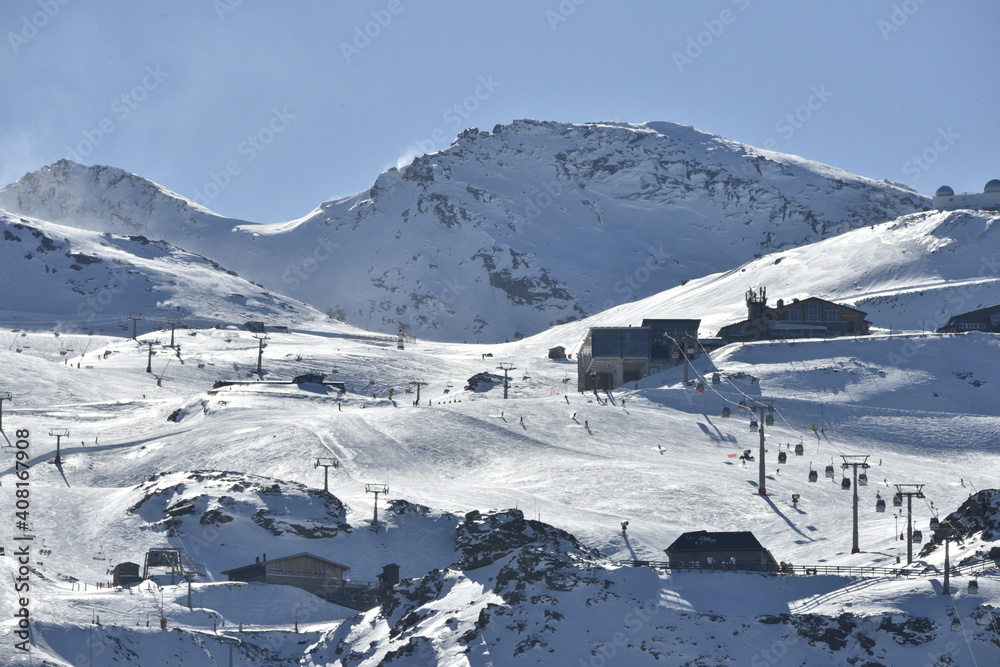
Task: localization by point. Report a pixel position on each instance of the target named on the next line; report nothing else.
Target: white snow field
(921, 406)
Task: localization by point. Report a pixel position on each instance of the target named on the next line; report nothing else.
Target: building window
(971, 325)
(794, 314)
(831, 314)
(814, 312)
(995, 319)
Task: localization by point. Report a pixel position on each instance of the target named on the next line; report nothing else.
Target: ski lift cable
(743, 394)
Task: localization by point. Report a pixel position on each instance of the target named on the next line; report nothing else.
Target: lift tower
(915, 492)
(861, 461)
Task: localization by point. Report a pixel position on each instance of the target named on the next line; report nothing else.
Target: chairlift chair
(799, 449)
(880, 505)
(782, 457)
(863, 479)
(845, 483)
(813, 476)
(918, 536)
(829, 471)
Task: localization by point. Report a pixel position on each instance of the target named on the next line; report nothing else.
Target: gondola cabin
(863, 479)
(725, 411)
(799, 449)
(753, 425)
(880, 505)
(897, 500)
(918, 536)
(845, 484)
(813, 476)
(769, 420)
(829, 471)
(782, 457)
(935, 523)
(700, 389)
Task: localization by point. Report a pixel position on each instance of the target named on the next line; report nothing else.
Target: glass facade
(620, 343)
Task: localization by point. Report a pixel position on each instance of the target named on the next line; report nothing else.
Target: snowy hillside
(506, 232)
(504, 516)
(908, 274)
(59, 276)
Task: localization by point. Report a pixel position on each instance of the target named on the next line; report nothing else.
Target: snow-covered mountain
(505, 232)
(60, 276)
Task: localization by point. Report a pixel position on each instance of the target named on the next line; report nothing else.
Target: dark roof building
(612, 356)
(984, 319)
(738, 550)
(125, 574)
(319, 576)
(806, 318)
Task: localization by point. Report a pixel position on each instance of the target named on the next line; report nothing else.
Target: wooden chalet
(801, 318)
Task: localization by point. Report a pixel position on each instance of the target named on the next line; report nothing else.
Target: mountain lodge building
(806, 318)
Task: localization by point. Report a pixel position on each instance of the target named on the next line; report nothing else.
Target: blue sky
(263, 110)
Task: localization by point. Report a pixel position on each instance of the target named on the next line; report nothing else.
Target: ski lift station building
(738, 550)
(612, 356)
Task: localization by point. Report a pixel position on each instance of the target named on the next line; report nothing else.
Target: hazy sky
(263, 110)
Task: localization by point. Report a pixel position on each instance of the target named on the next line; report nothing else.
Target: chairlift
(725, 411)
(782, 457)
(813, 476)
(880, 505)
(863, 479)
(918, 536)
(935, 523)
(845, 483)
(897, 499)
(829, 471)
(753, 425)
(799, 449)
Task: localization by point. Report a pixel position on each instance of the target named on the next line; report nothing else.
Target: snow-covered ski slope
(922, 406)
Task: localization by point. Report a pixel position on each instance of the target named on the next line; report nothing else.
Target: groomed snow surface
(657, 454)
